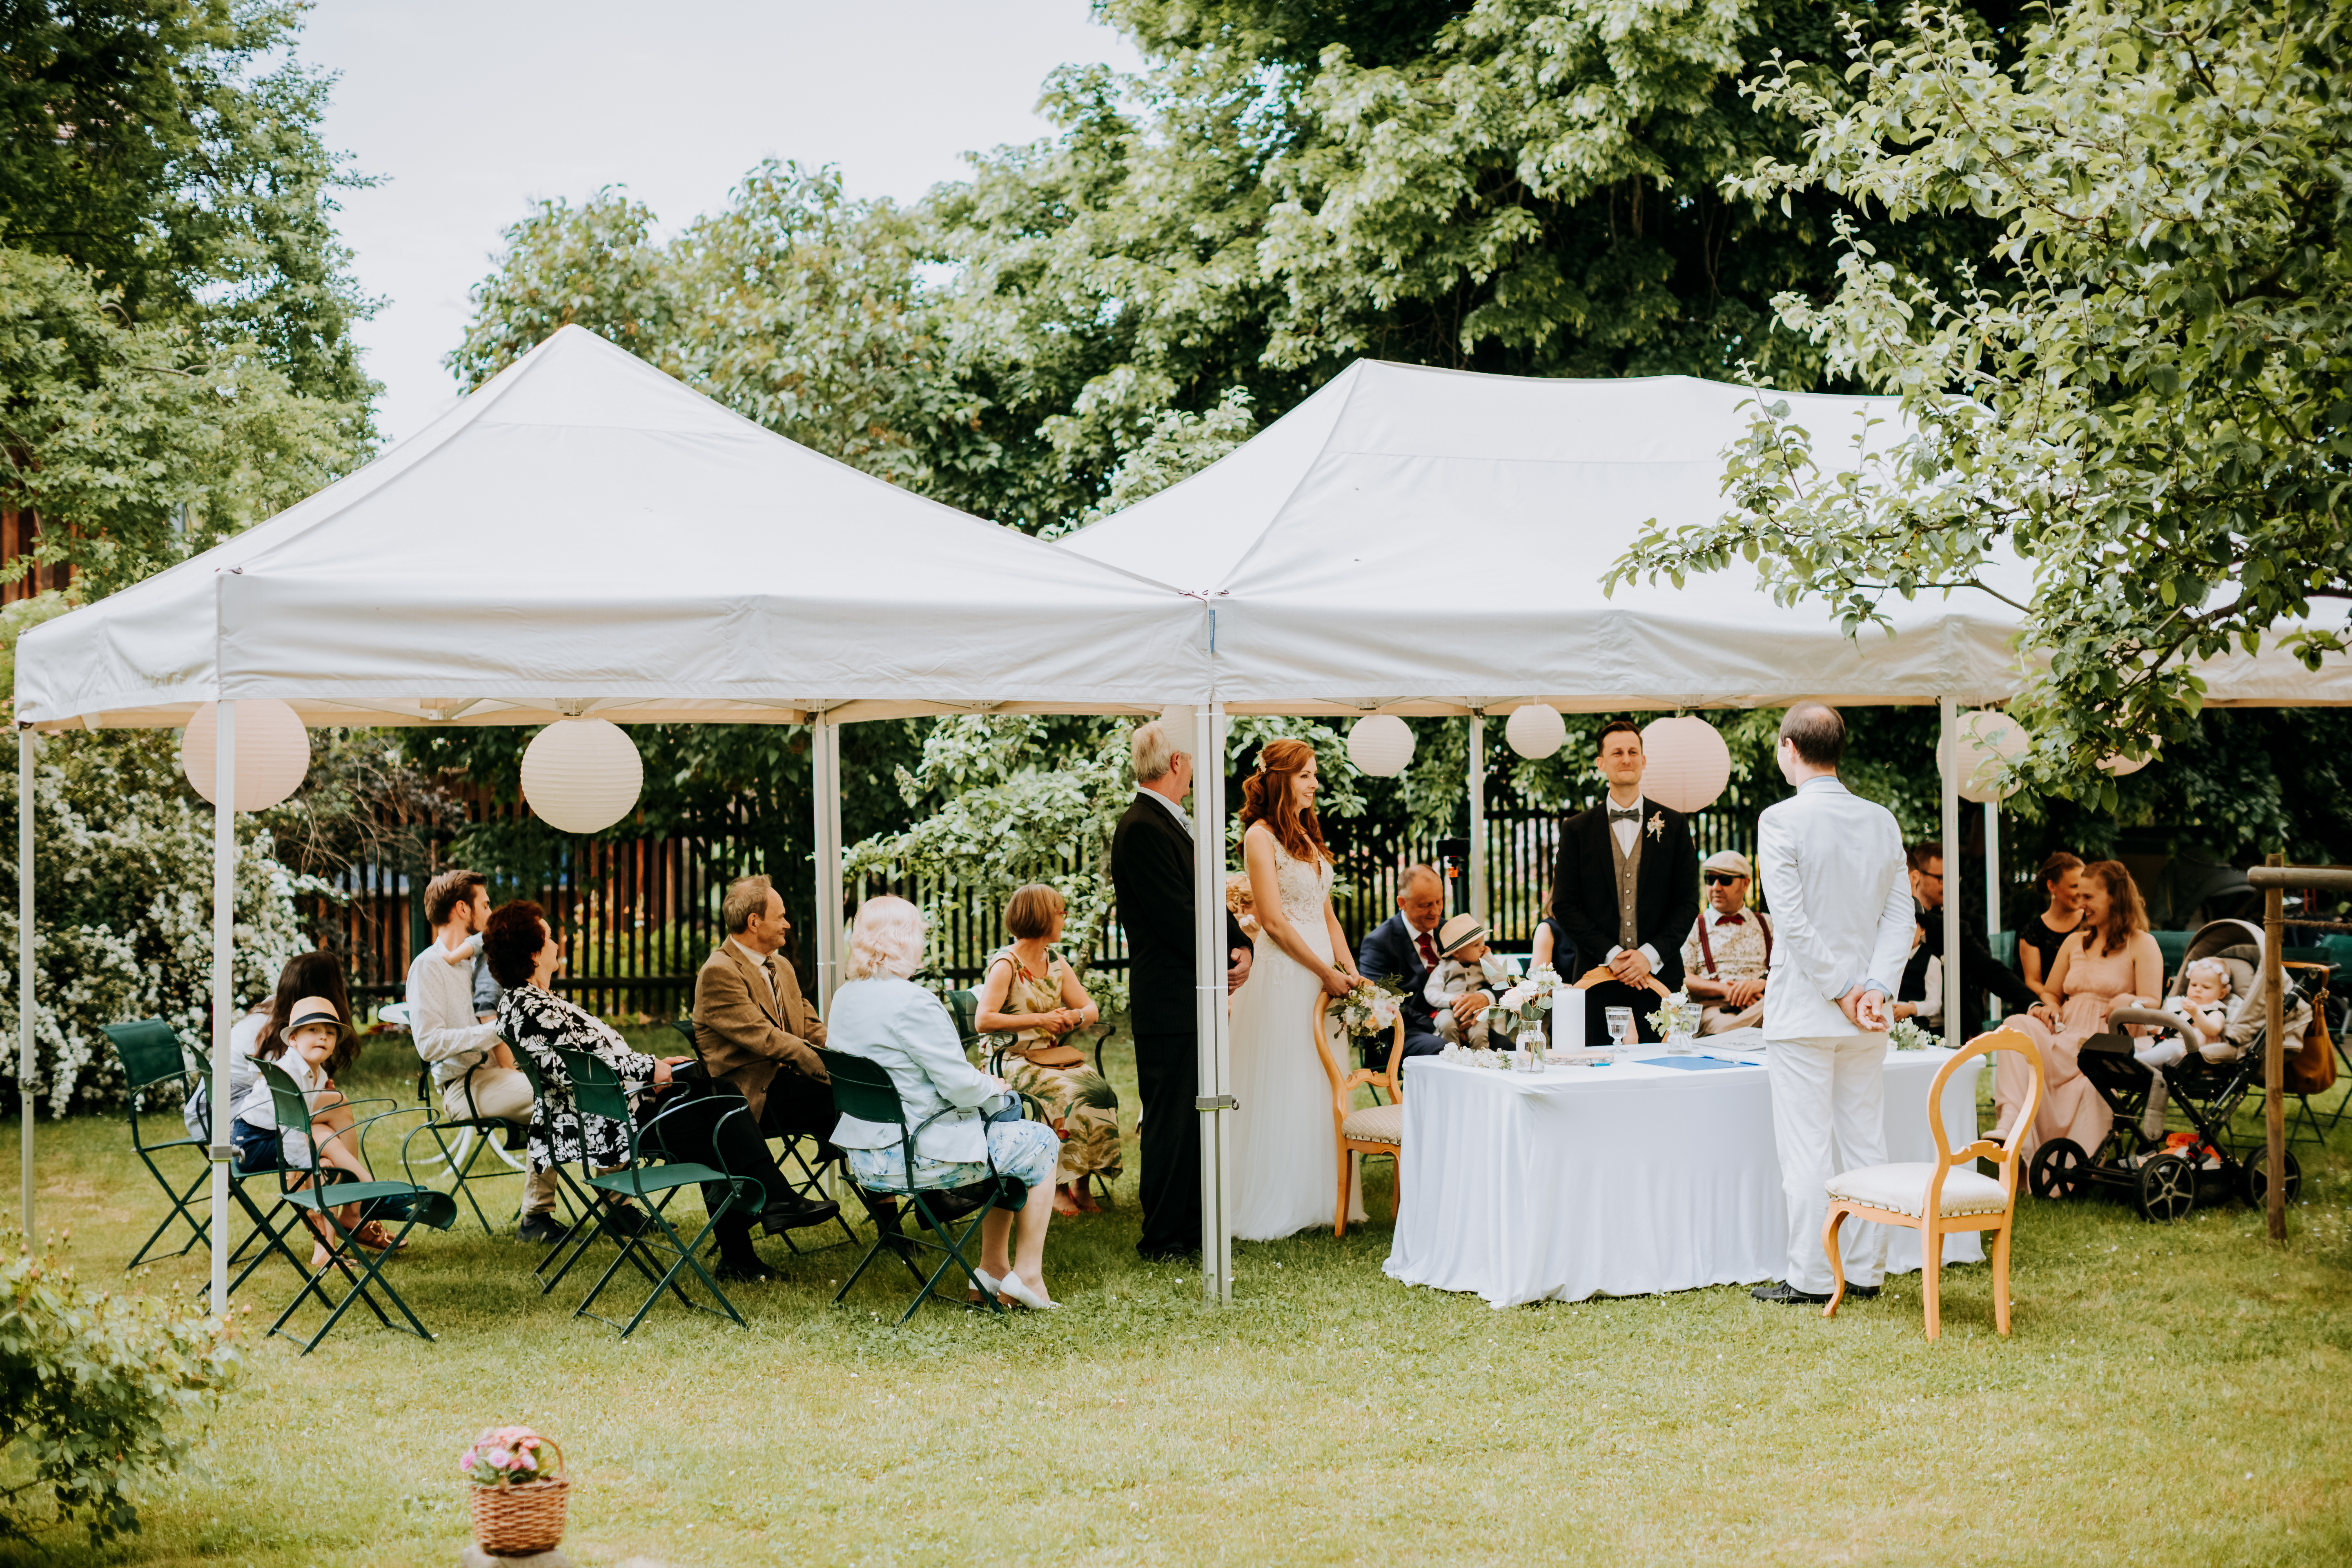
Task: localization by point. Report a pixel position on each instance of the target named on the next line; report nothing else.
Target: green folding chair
(581, 1205)
(151, 1058)
(803, 1177)
(405, 1202)
(596, 1091)
(863, 1088)
(472, 1134)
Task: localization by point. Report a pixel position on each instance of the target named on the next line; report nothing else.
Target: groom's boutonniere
(1658, 825)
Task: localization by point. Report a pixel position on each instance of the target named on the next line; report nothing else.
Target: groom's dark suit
(1602, 902)
(1151, 871)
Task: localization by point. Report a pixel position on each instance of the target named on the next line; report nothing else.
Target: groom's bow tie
(1624, 814)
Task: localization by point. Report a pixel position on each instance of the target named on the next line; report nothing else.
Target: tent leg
(1209, 980)
(224, 934)
(825, 750)
(26, 742)
(1992, 878)
(1951, 787)
(1478, 816)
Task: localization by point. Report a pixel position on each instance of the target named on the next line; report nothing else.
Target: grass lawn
(2173, 1394)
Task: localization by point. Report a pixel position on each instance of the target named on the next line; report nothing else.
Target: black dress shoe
(741, 1272)
(796, 1214)
(1861, 1292)
(1788, 1295)
(540, 1227)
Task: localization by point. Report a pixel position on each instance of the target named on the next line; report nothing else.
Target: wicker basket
(517, 1520)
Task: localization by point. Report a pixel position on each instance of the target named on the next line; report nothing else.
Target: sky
(470, 112)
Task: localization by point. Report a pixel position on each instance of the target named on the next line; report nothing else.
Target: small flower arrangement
(1908, 1036)
(1369, 1008)
(1675, 1008)
(1469, 1056)
(1658, 825)
(509, 1457)
(1241, 904)
(1531, 998)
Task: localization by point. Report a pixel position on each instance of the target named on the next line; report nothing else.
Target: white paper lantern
(581, 775)
(1536, 731)
(1988, 740)
(1380, 744)
(273, 751)
(2120, 766)
(1687, 765)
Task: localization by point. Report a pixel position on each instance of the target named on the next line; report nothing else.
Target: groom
(1151, 871)
(1627, 888)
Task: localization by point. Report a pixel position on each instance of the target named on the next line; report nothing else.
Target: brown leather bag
(2312, 1069)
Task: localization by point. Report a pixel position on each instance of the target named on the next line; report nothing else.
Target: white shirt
(441, 1015)
(1833, 875)
(1622, 828)
(1172, 807)
(760, 962)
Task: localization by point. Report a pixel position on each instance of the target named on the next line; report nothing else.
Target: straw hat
(1460, 932)
(313, 1011)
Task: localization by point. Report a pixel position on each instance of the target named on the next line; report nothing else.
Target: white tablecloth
(1624, 1180)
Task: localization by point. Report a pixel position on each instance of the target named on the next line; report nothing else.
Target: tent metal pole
(825, 755)
(1951, 781)
(1478, 814)
(1213, 1097)
(27, 744)
(1993, 877)
(1223, 1015)
(224, 934)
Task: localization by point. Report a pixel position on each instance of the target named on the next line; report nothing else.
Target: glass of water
(1619, 1022)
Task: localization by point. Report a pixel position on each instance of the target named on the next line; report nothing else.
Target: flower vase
(1530, 1057)
(1682, 1027)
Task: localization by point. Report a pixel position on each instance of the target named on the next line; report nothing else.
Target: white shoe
(1012, 1286)
(989, 1282)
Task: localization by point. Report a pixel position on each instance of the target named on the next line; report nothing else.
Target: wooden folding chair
(1372, 1130)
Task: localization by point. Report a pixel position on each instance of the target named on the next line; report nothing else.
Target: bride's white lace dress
(1285, 1169)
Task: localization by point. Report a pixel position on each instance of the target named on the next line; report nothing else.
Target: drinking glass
(1619, 1022)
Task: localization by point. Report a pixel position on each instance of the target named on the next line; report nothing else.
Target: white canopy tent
(1427, 541)
(585, 535)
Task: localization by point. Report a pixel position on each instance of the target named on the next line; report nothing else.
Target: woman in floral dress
(1031, 993)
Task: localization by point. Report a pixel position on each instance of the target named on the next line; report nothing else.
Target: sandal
(375, 1238)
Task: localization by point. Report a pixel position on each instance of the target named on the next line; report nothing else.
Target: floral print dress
(1079, 1103)
(539, 1023)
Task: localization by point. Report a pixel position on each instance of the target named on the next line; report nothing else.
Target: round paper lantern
(1380, 744)
(273, 751)
(1988, 740)
(581, 775)
(1536, 731)
(1687, 765)
(2120, 766)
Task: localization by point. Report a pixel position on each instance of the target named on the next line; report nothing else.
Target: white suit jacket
(1833, 879)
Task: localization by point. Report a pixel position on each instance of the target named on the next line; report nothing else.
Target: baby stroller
(2166, 1178)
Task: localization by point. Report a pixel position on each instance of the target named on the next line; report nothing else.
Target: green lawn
(2173, 1394)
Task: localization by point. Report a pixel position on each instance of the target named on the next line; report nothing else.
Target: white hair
(1154, 752)
(888, 938)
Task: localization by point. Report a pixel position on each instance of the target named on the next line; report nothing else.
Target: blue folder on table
(1693, 1064)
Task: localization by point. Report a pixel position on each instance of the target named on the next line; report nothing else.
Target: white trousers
(505, 1094)
(1828, 1115)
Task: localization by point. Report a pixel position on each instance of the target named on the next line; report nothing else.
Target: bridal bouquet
(1369, 1008)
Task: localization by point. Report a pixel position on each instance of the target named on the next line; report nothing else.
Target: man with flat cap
(1730, 949)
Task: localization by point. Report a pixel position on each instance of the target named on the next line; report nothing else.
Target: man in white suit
(1841, 919)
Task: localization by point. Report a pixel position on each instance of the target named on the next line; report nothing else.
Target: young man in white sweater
(472, 1067)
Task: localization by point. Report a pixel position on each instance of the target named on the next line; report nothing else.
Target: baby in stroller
(2203, 1009)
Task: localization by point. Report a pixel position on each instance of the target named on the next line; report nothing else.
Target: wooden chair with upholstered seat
(1373, 1129)
(1937, 1199)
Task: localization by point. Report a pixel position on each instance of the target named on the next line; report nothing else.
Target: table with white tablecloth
(1626, 1179)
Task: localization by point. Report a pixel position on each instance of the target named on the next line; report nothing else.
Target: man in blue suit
(1400, 952)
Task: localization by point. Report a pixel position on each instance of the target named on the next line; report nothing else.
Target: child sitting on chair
(314, 1044)
(1464, 965)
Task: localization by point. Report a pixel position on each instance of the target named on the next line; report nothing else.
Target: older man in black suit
(1400, 951)
(1151, 871)
(1627, 888)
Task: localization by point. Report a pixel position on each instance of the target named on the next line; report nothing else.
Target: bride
(1283, 1137)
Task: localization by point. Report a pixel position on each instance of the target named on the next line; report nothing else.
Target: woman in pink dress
(2109, 961)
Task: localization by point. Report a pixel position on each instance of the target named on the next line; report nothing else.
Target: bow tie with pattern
(1624, 814)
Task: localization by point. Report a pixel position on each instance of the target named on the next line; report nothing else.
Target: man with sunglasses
(1729, 949)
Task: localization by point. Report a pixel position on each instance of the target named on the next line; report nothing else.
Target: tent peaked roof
(586, 534)
(1431, 540)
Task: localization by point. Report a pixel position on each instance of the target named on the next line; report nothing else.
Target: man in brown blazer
(755, 1030)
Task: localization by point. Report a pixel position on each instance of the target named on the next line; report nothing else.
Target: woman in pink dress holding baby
(2109, 961)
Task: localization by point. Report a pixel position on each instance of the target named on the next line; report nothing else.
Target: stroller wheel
(2254, 1179)
(2167, 1188)
(2059, 1170)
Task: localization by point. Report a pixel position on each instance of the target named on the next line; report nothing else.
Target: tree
(176, 351)
(1507, 185)
(2144, 389)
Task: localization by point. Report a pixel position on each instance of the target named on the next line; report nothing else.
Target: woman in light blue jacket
(883, 1015)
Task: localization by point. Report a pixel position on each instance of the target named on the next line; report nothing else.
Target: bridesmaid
(2039, 939)
(2109, 961)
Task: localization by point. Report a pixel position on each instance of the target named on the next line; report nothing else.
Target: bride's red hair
(1271, 796)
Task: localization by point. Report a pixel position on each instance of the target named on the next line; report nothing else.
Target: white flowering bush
(122, 868)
